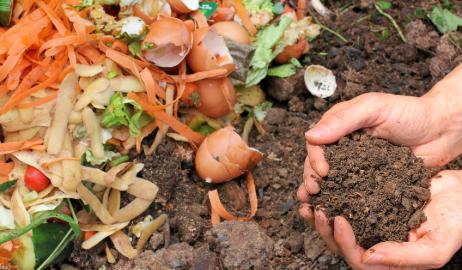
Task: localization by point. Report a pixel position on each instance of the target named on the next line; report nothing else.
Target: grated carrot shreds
(124, 61)
(120, 46)
(179, 127)
(139, 13)
(219, 211)
(149, 108)
(78, 22)
(151, 86)
(58, 23)
(15, 76)
(11, 147)
(9, 65)
(300, 9)
(72, 56)
(244, 16)
(5, 169)
(91, 53)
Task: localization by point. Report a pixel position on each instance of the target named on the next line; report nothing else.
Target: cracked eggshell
(320, 81)
(168, 42)
(209, 52)
(184, 6)
(217, 97)
(232, 31)
(223, 156)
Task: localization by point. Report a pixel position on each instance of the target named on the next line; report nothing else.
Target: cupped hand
(430, 125)
(429, 246)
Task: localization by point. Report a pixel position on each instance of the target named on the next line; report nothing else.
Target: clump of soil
(379, 187)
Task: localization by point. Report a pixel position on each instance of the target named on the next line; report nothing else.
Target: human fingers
(351, 251)
(345, 239)
(317, 160)
(360, 112)
(321, 224)
(311, 179)
(435, 154)
(421, 254)
(302, 194)
(306, 212)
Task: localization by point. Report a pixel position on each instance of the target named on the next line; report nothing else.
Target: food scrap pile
(83, 83)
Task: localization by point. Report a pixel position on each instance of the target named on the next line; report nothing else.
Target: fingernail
(317, 132)
(373, 257)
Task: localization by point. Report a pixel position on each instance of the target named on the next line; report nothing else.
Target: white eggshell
(320, 81)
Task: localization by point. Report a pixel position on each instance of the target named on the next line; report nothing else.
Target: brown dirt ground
(363, 64)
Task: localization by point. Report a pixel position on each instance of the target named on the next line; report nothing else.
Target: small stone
(227, 238)
(283, 89)
(313, 246)
(283, 172)
(156, 240)
(325, 259)
(204, 259)
(276, 186)
(320, 104)
(295, 243)
(296, 105)
(275, 116)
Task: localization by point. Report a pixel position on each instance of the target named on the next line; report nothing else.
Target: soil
(365, 63)
(379, 187)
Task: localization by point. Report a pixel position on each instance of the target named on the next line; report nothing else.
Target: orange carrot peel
(218, 211)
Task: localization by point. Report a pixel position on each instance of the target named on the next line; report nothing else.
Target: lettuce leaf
(124, 112)
(258, 5)
(266, 40)
(285, 70)
(89, 158)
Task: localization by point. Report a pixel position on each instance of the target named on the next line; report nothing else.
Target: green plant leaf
(444, 20)
(384, 5)
(46, 238)
(124, 112)
(38, 219)
(7, 185)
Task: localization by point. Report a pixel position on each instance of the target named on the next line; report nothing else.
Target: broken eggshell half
(223, 156)
(184, 6)
(209, 52)
(168, 42)
(217, 97)
(320, 81)
(153, 8)
(232, 31)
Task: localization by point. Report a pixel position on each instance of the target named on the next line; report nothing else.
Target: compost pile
(379, 187)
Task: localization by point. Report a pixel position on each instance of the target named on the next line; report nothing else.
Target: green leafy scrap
(124, 112)
(384, 5)
(7, 185)
(285, 70)
(267, 39)
(444, 20)
(39, 218)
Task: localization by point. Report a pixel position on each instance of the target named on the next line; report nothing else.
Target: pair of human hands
(432, 127)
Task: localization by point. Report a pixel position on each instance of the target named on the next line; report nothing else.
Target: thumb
(346, 117)
(422, 253)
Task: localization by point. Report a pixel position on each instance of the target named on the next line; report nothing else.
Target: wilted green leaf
(384, 5)
(444, 20)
